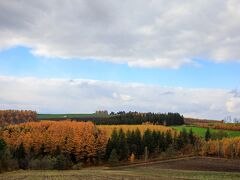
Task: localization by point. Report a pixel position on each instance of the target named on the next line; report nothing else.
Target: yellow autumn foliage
(143, 127)
(83, 139)
(227, 147)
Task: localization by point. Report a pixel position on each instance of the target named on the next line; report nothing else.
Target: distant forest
(17, 116)
(141, 118)
(167, 119)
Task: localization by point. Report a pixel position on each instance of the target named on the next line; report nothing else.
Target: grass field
(50, 116)
(130, 174)
(143, 172)
(201, 131)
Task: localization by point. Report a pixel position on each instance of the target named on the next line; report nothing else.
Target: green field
(201, 131)
(140, 173)
(50, 116)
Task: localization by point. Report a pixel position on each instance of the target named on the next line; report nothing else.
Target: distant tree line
(17, 116)
(195, 121)
(122, 117)
(223, 126)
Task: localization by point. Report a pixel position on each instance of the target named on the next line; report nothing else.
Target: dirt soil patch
(200, 164)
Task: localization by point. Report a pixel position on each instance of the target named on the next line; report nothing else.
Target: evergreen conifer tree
(148, 140)
(113, 159)
(168, 139)
(207, 135)
(20, 154)
(123, 146)
(138, 142)
(191, 137)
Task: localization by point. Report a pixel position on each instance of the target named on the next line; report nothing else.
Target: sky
(78, 56)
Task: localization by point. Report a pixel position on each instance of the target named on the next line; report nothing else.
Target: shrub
(62, 162)
(170, 151)
(113, 159)
(188, 149)
(46, 162)
(6, 161)
(219, 135)
(77, 166)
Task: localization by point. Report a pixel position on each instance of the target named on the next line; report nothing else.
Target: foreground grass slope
(131, 174)
(188, 168)
(201, 131)
(140, 173)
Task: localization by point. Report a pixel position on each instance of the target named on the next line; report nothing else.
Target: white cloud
(143, 33)
(123, 97)
(86, 96)
(233, 105)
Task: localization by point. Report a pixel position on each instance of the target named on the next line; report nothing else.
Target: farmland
(201, 131)
(60, 116)
(190, 168)
(122, 142)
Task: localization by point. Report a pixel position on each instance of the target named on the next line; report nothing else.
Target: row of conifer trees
(155, 142)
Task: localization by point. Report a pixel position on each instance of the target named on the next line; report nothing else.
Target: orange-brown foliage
(83, 139)
(224, 126)
(195, 120)
(228, 147)
(16, 116)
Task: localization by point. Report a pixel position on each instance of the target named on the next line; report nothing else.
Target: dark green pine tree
(3, 146)
(158, 138)
(20, 152)
(42, 152)
(20, 155)
(155, 137)
(207, 135)
(162, 142)
(184, 136)
(138, 141)
(109, 148)
(57, 151)
(123, 146)
(175, 139)
(179, 142)
(129, 140)
(168, 139)
(148, 141)
(113, 143)
(191, 137)
(113, 158)
(115, 139)
(133, 147)
(5, 156)
(31, 153)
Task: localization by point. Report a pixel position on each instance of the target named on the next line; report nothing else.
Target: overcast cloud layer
(87, 96)
(143, 33)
